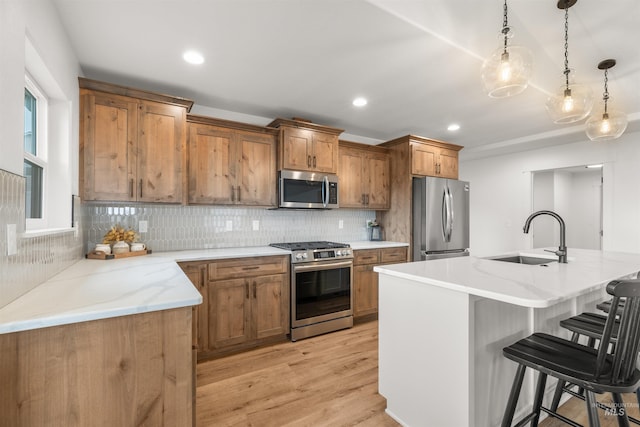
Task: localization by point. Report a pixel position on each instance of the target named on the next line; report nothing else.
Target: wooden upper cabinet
(364, 176)
(306, 146)
(231, 163)
(132, 144)
(434, 158)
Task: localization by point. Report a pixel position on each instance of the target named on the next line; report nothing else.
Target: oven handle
(327, 266)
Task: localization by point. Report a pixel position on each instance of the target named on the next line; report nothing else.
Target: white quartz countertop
(524, 285)
(98, 289)
(375, 245)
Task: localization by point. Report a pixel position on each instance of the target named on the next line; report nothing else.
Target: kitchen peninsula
(443, 324)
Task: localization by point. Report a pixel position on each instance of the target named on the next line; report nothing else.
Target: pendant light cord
(505, 25)
(605, 95)
(566, 43)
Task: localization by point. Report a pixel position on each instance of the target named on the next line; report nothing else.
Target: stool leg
(560, 386)
(621, 411)
(537, 402)
(513, 397)
(592, 409)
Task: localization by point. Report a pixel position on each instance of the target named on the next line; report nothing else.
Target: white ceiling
(417, 62)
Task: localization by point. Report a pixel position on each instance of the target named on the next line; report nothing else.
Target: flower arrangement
(119, 234)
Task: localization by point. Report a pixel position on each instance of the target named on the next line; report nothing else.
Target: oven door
(320, 292)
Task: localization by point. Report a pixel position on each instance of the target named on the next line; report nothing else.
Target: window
(35, 153)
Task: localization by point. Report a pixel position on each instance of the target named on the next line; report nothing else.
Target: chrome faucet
(562, 250)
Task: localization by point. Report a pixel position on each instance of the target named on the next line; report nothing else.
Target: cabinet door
(269, 305)
(229, 313)
(161, 143)
(257, 162)
(296, 149)
(424, 159)
(365, 299)
(211, 165)
(351, 193)
(196, 272)
(448, 164)
(324, 157)
(377, 175)
(107, 147)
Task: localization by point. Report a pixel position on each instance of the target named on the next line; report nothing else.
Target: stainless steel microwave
(307, 190)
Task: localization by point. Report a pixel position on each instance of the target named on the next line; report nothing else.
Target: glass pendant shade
(507, 71)
(603, 126)
(570, 103)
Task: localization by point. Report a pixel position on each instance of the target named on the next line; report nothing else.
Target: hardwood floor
(330, 380)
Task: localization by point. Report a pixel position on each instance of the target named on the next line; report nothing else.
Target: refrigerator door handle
(449, 214)
(445, 215)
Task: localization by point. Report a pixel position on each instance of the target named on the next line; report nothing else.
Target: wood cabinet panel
(424, 160)
(230, 166)
(247, 267)
(122, 371)
(229, 313)
(365, 280)
(131, 149)
(197, 274)
(211, 171)
(161, 144)
(107, 147)
(364, 176)
(306, 146)
(270, 306)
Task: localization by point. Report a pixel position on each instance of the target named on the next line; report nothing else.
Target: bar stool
(595, 370)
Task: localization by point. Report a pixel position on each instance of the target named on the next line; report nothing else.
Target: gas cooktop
(307, 246)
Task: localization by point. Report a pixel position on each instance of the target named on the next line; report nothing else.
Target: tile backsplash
(203, 227)
(39, 257)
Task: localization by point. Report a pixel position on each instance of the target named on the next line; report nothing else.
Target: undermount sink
(524, 259)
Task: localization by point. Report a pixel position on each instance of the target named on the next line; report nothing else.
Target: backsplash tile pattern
(203, 227)
(39, 257)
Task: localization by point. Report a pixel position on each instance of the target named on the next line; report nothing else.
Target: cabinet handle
(203, 271)
(309, 161)
(363, 202)
(233, 193)
(367, 199)
(140, 195)
(314, 161)
(255, 290)
(238, 193)
(253, 267)
(131, 188)
(246, 288)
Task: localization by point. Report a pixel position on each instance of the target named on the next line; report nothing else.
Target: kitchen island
(443, 324)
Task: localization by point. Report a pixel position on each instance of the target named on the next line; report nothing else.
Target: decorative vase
(120, 247)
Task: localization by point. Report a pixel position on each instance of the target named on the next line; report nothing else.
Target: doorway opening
(575, 194)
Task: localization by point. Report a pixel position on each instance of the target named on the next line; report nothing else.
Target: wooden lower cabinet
(365, 280)
(245, 303)
(131, 370)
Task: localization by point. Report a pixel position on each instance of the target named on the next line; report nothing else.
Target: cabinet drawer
(247, 267)
(393, 255)
(366, 256)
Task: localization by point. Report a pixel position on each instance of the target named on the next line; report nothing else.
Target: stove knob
(299, 256)
(338, 253)
(304, 255)
(347, 252)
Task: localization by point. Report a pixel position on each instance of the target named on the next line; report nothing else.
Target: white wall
(501, 198)
(38, 21)
(542, 229)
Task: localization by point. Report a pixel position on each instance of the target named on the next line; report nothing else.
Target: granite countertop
(524, 285)
(98, 289)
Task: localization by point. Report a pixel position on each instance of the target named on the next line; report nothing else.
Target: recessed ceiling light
(453, 127)
(193, 57)
(360, 102)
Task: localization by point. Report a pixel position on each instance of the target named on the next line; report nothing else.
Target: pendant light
(606, 123)
(572, 102)
(507, 71)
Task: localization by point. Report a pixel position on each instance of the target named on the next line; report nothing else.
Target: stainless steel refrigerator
(440, 218)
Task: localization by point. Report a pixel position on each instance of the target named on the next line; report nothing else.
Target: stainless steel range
(321, 292)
